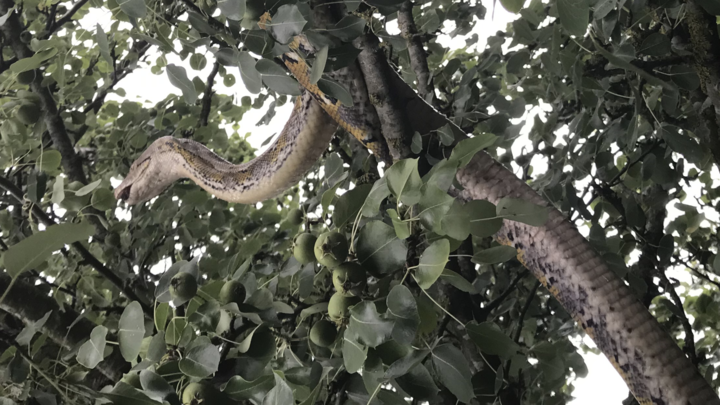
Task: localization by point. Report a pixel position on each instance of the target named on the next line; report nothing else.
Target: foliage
(618, 138)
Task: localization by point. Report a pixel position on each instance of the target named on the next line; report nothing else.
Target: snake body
(653, 366)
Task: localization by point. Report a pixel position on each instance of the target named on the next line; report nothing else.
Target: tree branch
(207, 96)
(393, 121)
(64, 19)
(524, 311)
(416, 51)
(499, 300)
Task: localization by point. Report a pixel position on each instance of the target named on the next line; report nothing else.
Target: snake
(650, 362)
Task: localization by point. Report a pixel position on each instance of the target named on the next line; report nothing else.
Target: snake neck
(297, 148)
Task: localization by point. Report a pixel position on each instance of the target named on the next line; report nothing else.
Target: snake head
(149, 175)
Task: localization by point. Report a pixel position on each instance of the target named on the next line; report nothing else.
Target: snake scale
(653, 366)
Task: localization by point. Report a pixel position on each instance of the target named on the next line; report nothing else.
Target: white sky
(602, 385)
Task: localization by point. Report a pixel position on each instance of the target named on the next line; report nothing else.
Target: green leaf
(455, 223)
(35, 249)
(125, 394)
(157, 348)
(276, 79)
(522, 211)
(131, 330)
(241, 390)
(685, 77)
(491, 340)
(432, 263)
(133, 8)
(418, 383)
(201, 360)
(50, 160)
(348, 28)
(496, 254)
(319, 65)
(457, 281)
(103, 44)
(404, 181)
(402, 229)
(281, 394)
(287, 22)
(513, 6)
(349, 204)
(162, 312)
(354, 354)
(367, 326)
(453, 371)
(232, 9)
(402, 308)
(464, 151)
(58, 194)
(655, 44)
(157, 388)
(445, 134)
(93, 351)
(379, 249)
(249, 74)
(174, 331)
(179, 79)
(378, 193)
(336, 90)
(482, 217)
(103, 199)
(87, 189)
(683, 144)
(434, 204)
(34, 61)
(574, 16)
(401, 366)
(416, 145)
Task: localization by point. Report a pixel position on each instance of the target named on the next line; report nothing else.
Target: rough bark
(416, 51)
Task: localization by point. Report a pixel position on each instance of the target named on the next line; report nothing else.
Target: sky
(602, 385)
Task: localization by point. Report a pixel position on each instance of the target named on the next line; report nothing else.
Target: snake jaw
(122, 193)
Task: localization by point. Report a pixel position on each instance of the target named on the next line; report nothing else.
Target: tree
(623, 97)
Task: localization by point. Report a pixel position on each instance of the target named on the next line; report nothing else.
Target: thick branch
(394, 123)
(8, 186)
(418, 58)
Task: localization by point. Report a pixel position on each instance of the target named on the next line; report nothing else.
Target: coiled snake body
(653, 366)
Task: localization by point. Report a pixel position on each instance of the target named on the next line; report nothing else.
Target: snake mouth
(123, 194)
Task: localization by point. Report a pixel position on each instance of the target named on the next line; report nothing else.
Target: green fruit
(200, 393)
(323, 333)
(246, 101)
(232, 291)
(295, 216)
(349, 279)
(132, 379)
(303, 249)
(391, 351)
(331, 249)
(183, 286)
(26, 77)
(29, 114)
(339, 304)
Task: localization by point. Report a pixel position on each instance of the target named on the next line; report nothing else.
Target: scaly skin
(652, 365)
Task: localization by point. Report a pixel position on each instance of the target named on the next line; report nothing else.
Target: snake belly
(647, 358)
